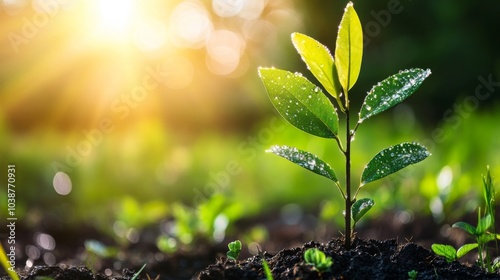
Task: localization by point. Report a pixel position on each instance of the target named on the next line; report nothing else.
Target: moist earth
(368, 259)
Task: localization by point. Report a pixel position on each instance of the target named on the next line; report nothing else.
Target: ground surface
(370, 258)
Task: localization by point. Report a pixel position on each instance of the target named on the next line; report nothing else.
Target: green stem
(348, 202)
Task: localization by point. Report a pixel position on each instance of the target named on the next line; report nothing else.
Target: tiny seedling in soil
(267, 271)
(305, 106)
(318, 260)
(412, 275)
(482, 233)
(234, 250)
(136, 275)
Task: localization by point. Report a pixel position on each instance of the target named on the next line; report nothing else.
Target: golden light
(191, 25)
(88, 56)
(115, 18)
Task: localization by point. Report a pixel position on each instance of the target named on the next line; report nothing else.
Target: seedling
(136, 275)
(234, 250)
(412, 275)
(318, 260)
(267, 271)
(305, 106)
(483, 233)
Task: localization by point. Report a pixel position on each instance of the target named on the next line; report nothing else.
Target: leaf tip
(262, 69)
(272, 149)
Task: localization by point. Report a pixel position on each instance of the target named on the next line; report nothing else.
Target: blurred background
(122, 115)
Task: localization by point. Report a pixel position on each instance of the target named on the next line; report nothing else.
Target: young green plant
(305, 106)
(318, 260)
(412, 275)
(267, 271)
(234, 250)
(483, 233)
(138, 273)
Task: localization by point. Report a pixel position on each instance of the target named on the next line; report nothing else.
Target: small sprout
(496, 264)
(318, 259)
(136, 275)
(234, 250)
(412, 275)
(483, 233)
(446, 251)
(267, 271)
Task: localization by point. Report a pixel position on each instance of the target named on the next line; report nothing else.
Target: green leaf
(360, 207)
(484, 224)
(319, 61)
(232, 255)
(300, 102)
(392, 91)
(235, 246)
(393, 159)
(466, 248)
(136, 275)
(446, 251)
(349, 48)
(486, 237)
(306, 160)
(267, 271)
(465, 227)
(489, 192)
(318, 259)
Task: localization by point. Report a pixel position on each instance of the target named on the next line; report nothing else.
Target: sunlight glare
(115, 17)
(151, 35)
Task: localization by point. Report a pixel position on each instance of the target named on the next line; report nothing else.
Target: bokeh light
(227, 8)
(190, 25)
(45, 241)
(224, 50)
(62, 183)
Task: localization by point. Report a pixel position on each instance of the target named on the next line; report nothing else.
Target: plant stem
(348, 202)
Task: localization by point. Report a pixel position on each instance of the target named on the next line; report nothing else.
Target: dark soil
(368, 259)
(76, 273)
